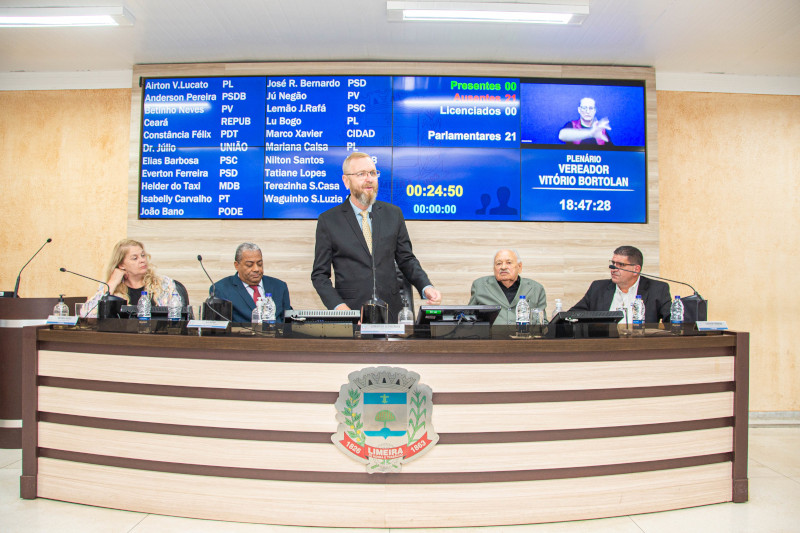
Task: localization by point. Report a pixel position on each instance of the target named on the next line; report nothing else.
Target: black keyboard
(592, 314)
(322, 315)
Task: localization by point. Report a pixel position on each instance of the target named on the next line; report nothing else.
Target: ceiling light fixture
(50, 17)
(529, 13)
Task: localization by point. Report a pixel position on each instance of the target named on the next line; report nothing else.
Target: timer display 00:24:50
(435, 190)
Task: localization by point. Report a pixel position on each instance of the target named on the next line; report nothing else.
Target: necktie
(366, 229)
(256, 294)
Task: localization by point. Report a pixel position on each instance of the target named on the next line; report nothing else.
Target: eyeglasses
(363, 174)
(615, 264)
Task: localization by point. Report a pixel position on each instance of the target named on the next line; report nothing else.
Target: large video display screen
(448, 147)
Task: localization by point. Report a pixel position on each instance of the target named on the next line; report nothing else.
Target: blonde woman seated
(129, 273)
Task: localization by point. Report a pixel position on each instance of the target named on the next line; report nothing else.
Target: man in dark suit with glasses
(619, 292)
(344, 243)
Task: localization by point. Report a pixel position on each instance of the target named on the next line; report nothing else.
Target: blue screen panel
(448, 147)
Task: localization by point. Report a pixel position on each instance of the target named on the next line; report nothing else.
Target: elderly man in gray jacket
(505, 288)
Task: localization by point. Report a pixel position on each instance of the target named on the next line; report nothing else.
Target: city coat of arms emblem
(384, 416)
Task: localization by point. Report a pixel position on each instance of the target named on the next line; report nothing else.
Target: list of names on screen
(447, 147)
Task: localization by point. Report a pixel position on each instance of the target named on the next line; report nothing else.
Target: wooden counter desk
(239, 429)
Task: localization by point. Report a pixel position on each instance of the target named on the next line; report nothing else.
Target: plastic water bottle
(537, 321)
(637, 310)
(143, 309)
(559, 306)
(268, 315)
(405, 316)
(61, 308)
(523, 317)
(175, 307)
(676, 314)
(256, 316)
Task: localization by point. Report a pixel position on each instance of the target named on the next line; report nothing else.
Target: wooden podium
(240, 428)
(15, 313)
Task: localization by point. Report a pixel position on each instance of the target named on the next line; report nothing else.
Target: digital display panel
(448, 147)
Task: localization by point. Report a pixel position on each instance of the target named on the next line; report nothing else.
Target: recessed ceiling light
(526, 13)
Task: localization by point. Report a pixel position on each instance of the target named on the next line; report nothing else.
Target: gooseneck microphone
(696, 307)
(108, 289)
(374, 310)
(612, 267)
(105, 308)
(213, 287)
(374, 276)
(221, 308)
(16, 285)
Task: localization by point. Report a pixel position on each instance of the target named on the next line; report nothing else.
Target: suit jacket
(232, 288)
(655, 294)
(340, 244)
(486, 291)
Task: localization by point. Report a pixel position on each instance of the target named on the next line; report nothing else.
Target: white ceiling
(738, 37)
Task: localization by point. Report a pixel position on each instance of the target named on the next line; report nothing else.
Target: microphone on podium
(374, 310)
(16, 285)
(108, 305)
(695, 306)
(213, 306)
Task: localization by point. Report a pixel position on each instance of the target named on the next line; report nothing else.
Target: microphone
(16, 285)
(104, 310)
(108, 289)
(374, 277)
(213, 287)
(218, 306)
(612, 267)
(696, 307)
(374, 310)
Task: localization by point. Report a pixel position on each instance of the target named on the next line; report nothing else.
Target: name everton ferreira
(174, 173)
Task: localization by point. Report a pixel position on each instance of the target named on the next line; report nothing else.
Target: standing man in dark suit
(619, 292)
(249, 283)
(341, 242)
